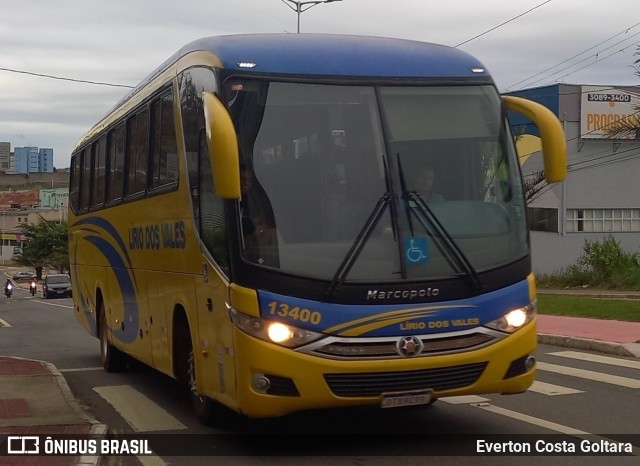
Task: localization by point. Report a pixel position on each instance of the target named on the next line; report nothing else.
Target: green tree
(47, 246)
(533, 184)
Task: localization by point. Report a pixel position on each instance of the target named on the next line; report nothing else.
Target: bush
(607, 261)
(602, 264)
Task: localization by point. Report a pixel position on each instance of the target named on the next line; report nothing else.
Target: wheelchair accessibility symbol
(416, 250)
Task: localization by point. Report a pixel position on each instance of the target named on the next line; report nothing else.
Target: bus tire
(113, 360)
(204, 407)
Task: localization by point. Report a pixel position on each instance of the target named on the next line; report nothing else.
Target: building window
(542, 219)
(603, 220)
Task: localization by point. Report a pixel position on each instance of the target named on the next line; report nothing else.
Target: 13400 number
(295, 313)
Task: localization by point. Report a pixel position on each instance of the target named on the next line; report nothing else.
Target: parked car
(24, 276)
(57, 285)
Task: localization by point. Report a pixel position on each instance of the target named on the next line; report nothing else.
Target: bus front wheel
(204, 407)
(113, 360)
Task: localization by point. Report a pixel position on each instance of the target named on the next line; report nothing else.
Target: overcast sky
(121, 41)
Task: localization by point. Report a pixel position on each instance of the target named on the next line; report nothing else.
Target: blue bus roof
(331, 55)
(339, 55)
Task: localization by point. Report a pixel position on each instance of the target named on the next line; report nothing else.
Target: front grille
(387, 349)
(377, 383)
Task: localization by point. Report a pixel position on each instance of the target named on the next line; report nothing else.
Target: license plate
(398, 400)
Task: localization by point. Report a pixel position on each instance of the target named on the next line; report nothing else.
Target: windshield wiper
(356, 248)
(443, 239)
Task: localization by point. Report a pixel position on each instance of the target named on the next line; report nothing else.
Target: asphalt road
(576, 392)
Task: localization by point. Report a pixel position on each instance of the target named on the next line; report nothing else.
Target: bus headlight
(514, 319)
(273, 331)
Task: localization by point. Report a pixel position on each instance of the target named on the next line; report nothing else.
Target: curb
(631, 350)
(592, 294)
(96, 427)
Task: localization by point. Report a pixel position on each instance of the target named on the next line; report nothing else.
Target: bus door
(215, 360)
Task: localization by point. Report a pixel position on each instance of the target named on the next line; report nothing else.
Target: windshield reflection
(313, 163)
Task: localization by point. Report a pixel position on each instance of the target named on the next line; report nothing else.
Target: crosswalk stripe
(550, 389)
(82, 369)
(142, 414)
(4, 323)
(464, 399)
(590, 375)
(597, 358)
(547, 424)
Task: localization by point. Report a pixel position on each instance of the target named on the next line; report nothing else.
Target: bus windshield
(383, 183)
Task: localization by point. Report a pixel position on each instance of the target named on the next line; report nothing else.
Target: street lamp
(301, 7)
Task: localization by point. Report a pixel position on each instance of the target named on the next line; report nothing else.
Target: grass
(586, 306)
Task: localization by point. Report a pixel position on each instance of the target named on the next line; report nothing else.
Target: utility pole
(301, 7)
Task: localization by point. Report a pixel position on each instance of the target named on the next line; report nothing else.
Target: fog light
(530, 363)
(260, 382)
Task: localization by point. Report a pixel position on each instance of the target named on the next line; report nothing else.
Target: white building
(601, 194)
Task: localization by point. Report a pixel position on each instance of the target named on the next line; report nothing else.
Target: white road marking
(142, 414)
(46, 303)
(597, 358)
(530, 419)
(4, 323)
(82, 369)
(545, 424)
(462, 400)
(551, 389)
(151, 460)
(590, 375)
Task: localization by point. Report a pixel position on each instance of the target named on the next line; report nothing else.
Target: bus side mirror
(223, 147)
(554, 146)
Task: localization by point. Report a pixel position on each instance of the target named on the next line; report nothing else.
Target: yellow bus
(290, 222)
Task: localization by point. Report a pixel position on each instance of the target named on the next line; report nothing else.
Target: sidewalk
(35, 398)
(606, 336)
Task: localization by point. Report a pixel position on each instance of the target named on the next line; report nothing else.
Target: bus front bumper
(274, 381)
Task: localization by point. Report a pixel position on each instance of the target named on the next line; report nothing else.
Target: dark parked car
(57, 285)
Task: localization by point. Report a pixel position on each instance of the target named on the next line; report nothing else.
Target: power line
(627, 154)
(598, 60)
(624, 31)
(60, 78)
(502, 24)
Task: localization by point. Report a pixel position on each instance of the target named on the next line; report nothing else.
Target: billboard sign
(601, 107)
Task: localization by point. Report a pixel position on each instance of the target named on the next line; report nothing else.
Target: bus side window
(164, 158)
(208, 208)
(99, 155)
(115, 150)
(74, 188)
(212, 224)
(85, 179)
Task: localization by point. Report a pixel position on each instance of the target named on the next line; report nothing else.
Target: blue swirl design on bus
(392, 320)
(120, 263)
(109, 228)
